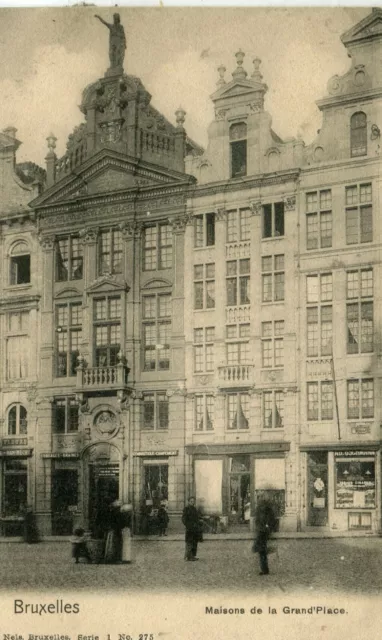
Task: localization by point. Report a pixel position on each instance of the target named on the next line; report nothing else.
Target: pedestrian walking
(31, 535)
(79, 548)
(163, 519)
(190, 519)
(113, 547)
(265, 523)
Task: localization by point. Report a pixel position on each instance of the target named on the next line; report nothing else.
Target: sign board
(142, 454)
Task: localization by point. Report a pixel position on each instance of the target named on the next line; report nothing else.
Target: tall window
(17, 420)
(238, 142)
(273, 278)
(359, 311)
(273, 220)
(237, 344)
(204, 349)
(69, 259)
(272, 343)
(15, 487)
(20, 264)
(238, 225)
(237, 281)
(320, 400)
(204, 286)
(319, 292)
(238, 411)
(107, 330)
(273, 409)
(319, 219)
(65, 415)
(359, 214)
(68, 332)
(360, 398)
(155, 410)
(358, 134)
(110, 251)
(18, 345)
(204, 230)
(204, 412)
(157, 247)
(156, 332)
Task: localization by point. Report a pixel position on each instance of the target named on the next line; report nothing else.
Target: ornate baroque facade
(176, 320)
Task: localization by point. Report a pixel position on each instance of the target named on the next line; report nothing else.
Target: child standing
(163, 519)
(79, 548)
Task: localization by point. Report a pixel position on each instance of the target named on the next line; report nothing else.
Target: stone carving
(334, 84)
(256, 107)
(117, 40)
(106, 423)
(83, 404)
(179, 223)
(220, 214)
(220, 114)
(131, 229)
(46, 242)
(111, 131)
(123, 400)
(256, 208)
(290, 203)
(89, 235)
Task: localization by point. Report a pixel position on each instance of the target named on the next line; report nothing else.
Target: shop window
(64, 499)
(319, 219)
(208, 476)
(204, 286)
(157, 247)
(110, 252)
(238, 225)
(238, 143)
(69, 259)
(358, 134)
(68, 338)
(107, 331)
(65, 415)
(17, 420)
(155, 482)
(155, 411)
(15, 487)
(238, 282)
(359, 214)
(204, 230)
(355, 481)
(238, 411)
(359, 520)
(157, 313)
(20, 264)
(273, 220)
(359, 311)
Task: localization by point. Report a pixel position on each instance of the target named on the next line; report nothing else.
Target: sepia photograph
(190, 322)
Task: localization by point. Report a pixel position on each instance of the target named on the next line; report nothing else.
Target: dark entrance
(103, 490)
(64, 499)
(317, 488)
(239, 489)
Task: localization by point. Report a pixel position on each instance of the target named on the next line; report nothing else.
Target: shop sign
(141, 454)
(361, 428)
(14, 442)
(355, 454)
(60, 456)
(318, 503)
(15, 453)
(107, 471)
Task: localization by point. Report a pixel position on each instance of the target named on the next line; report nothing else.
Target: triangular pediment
(104, 173)
(369, 27)
(108, 284)
(238, 88)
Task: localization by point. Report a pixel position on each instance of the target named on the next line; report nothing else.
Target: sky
(49, 55)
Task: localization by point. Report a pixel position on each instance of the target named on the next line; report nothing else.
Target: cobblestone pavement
(351, 565)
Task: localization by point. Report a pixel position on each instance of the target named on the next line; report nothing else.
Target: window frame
(274, 338)
(109, 347)
(204, 351)
(359, 302)
(239, 407)
(238, 141)
(67, 403)
(204, 287)
(241, 281)
(115, 266)
(19, 250)
(319, 415)
(357, 148)
(20, 420)
(361, 414)
(269, 210)
(157, 402)
(69, 330)
(277, 408)
(157, 320)
(359, 213)
(319, 211)
(158, 248)
(271, 275)
(316, 345)
(205, 237)
(206, 413)
(71, 258)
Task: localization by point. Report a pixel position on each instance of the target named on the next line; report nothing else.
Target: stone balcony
(94, 379)
(236, 375)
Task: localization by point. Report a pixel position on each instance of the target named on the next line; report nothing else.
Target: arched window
(17, 420)
(238, 142)
(358, 134)
(20, 265)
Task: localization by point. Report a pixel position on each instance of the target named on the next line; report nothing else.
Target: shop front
(341, 488)
(14, 489)
(229, 480)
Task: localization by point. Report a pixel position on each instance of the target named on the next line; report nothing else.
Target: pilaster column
(131, 233)
(47, 243)
(178, 225)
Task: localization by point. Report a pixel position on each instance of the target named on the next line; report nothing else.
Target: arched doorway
(102, 482)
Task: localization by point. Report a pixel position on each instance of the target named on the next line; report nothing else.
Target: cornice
(348, 98)
(27, 301)
(250, 182)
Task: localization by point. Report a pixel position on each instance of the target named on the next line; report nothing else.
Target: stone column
(47, 311)
(220, 288)
(131, 233)
(89, 237)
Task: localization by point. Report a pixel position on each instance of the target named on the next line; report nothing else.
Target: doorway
(239, 489)
(64, 500)
(103, 491)
(317, 488)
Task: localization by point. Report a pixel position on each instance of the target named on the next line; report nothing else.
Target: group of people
(265, 524)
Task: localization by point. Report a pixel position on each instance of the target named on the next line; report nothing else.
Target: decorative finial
(239, 71)
(256, 72)
(51, 140)
(180, 117)
(221, 71)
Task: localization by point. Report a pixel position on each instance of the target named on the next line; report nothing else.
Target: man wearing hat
(190, 519)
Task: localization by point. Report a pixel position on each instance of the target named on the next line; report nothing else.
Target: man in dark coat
(190, 519)
(265, 523)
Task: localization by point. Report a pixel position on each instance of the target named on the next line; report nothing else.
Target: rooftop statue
(117, 40)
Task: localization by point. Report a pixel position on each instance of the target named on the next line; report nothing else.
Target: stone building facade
(177, 320)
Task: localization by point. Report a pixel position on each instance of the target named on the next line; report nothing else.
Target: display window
(15, 487)
(355, 481)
